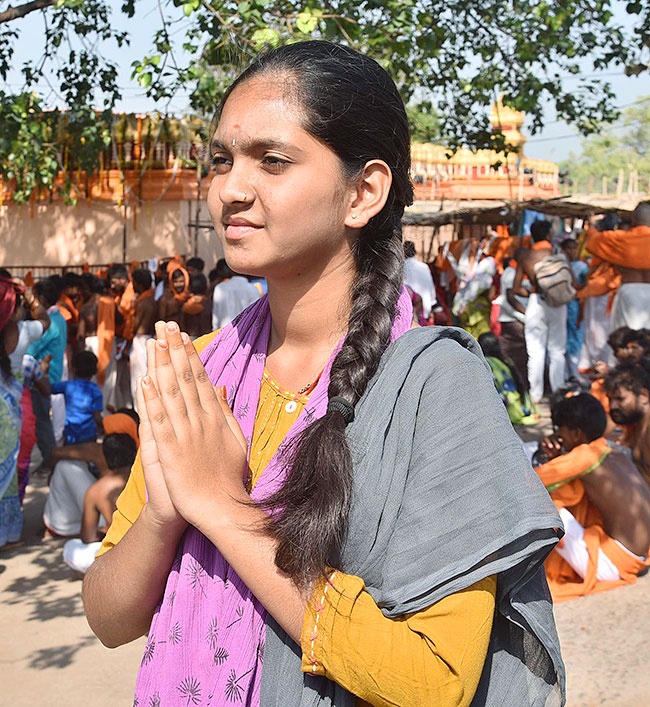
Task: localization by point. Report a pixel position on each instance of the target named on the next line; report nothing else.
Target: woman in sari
(310, 522)
(11, 340)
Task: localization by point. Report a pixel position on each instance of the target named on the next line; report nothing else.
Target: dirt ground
(49, 657)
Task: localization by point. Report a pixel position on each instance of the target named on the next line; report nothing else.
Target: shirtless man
(99, 501)
(629, 252)
(544, 326)
(600, 494)
(143, 329)
(88, 315)
(628, 390)
(169, 305)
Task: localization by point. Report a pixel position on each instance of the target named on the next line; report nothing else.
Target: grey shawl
(444, 496)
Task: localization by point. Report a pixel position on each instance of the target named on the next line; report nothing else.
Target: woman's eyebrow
(256, 144)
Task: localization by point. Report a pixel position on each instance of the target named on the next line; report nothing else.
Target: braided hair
(350, 103)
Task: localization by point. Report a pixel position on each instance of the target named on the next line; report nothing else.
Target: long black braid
(352, 105)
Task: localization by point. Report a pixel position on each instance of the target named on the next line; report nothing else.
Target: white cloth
(80, 555)
(480, 280)
(574, 551)
(65, 502)
(230, 299)
(598, 326)
(508, 313)
(138, 362)
(110, 374)
(58, 405)
(632, 306)
(158, 292)
(418, 277)
(544, 330)
(28, 333)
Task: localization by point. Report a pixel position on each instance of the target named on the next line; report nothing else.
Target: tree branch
(15, 13)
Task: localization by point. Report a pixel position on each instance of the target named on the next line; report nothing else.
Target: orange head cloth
(171, 269)
(121, 423)
(68, 309)
(126, 305)
(105, 335)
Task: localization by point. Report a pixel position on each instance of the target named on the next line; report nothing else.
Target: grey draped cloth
(443, 497)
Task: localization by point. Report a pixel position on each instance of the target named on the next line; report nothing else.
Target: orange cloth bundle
(126, 304)
(121, 423)
(68, 309)
(601, 279)
(195, 304)
(105, 335)
(629, 249)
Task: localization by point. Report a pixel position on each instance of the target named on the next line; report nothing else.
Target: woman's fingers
(204, 387)
(180, 361)
(231, 420)
(171, 396)
(150, 346)
(148, 450)
(155, 413)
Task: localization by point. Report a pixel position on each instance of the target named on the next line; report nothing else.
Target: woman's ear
(370, 194)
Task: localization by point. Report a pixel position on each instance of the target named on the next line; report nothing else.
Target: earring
(354, 215)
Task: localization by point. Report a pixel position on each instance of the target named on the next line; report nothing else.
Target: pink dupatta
(206, 642)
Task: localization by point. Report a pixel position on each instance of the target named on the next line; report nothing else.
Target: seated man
(603, 501)
(76, 468)
(628, 391)
(99, 502)
(628, 346)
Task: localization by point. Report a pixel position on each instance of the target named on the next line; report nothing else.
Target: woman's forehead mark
(236, 126)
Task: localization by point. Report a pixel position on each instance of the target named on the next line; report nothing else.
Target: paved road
(50, 658)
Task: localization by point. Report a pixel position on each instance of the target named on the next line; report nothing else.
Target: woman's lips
(235, 231)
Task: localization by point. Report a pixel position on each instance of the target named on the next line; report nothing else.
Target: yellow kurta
(433, 656)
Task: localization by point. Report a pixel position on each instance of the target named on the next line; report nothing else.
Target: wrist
(228, 512)
(168, 530)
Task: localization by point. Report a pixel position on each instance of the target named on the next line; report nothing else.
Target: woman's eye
(219, 161)
(275, 164)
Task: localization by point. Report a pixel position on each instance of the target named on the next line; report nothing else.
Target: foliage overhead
(625, 145)
(450, 58)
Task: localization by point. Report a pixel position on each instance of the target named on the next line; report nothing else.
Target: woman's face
(278, 199)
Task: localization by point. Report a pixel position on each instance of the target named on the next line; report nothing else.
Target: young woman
(15, 337)
(348, 517)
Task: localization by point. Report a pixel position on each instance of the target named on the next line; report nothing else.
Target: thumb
(230, 418)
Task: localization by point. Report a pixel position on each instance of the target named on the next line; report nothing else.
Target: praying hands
(192, 448)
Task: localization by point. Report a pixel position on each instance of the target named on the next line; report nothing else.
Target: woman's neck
(309, 317)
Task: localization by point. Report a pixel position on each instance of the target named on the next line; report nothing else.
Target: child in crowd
(83, 400)
(100, 500)
(508, 382)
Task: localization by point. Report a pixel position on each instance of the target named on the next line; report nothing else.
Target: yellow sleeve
(133, 497)
(433, 656)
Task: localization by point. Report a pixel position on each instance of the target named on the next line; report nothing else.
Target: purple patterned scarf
(206, 641)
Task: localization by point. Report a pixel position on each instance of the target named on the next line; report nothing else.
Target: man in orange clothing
(628, 390)
(629, 252)
(603, 502)
(122, 290)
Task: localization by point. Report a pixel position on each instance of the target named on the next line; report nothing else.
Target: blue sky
(555, 141)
